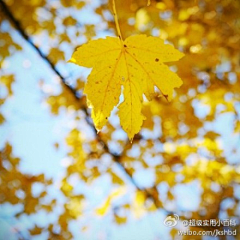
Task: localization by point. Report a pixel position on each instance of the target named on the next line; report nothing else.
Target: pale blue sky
(32, 131)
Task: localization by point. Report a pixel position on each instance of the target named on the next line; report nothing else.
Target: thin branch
(21, 30)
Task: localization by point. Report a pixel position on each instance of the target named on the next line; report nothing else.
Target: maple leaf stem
(116, 21)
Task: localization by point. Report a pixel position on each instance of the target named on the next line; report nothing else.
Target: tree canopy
(191, 141)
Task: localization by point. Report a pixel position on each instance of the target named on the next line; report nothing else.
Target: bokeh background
(59, 179)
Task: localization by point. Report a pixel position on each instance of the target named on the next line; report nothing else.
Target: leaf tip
(72, 60)
(181, 55)
(98, 131)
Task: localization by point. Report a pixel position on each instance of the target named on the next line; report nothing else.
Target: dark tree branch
(151, 194)
(23, 33)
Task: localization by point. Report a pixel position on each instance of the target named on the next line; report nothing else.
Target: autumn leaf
(102, 210)
(137, 65)
(180, 154)
(36, 231)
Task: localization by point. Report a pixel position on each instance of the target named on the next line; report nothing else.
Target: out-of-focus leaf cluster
(178, 144)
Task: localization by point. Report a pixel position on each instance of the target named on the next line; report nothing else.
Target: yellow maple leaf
(136, 64)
